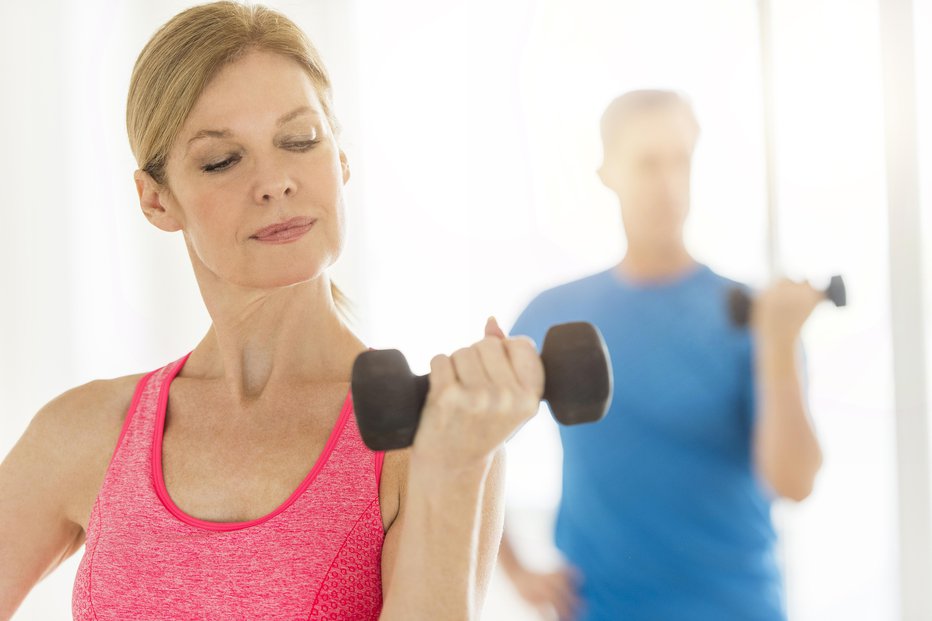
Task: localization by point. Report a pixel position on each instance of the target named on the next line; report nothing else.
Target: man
(665, 512)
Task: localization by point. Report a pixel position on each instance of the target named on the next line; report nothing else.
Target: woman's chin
(277, 278)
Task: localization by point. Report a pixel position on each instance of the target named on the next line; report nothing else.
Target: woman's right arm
(439, 553)
(43, 481)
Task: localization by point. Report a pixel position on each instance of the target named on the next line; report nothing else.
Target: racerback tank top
(316, 556)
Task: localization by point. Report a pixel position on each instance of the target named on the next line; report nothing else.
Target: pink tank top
(317, 556)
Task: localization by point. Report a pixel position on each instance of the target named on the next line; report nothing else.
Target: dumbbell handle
(555, 366)
(739, 302)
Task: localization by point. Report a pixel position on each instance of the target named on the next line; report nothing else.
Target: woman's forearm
(435, 572)
(787, 451)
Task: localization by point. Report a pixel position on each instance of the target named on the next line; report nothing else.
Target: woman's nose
(279, 190)
(273, 182)
(274, 189)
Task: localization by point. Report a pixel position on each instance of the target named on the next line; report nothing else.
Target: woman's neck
(273, 338)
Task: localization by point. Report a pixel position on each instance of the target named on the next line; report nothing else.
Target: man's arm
(786, 449)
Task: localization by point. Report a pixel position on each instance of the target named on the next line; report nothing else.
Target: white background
(472, 132)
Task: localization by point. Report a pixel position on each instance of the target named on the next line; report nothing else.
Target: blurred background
(472, 130)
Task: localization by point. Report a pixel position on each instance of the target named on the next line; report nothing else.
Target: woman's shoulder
(88, 408)
(78, 431)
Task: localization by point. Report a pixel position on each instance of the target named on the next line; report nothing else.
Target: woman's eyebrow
(294, 114)
(209, 133)
(226, 133)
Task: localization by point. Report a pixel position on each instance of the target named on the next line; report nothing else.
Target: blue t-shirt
(661, 507)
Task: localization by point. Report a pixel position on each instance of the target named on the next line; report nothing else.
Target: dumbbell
(739, 302)
(388, 398)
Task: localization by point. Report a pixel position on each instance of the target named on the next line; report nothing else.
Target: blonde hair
(181, 58)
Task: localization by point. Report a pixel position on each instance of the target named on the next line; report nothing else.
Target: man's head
(648, 138)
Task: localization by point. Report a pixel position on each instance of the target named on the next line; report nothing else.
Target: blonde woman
(232, 483)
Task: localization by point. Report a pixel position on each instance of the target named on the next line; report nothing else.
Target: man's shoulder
(724, 282)
(575, 289)
(570, 300)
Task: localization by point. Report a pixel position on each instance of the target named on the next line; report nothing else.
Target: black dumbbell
(388, 398)
(739, 303)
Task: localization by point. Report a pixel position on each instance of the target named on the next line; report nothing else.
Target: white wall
(841, 544)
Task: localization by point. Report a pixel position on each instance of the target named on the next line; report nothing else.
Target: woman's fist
(478, 397)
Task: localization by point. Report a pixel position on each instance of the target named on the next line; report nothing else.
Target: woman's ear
(151, 201)
(344, 164)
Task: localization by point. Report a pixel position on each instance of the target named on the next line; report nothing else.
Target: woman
(190, 484)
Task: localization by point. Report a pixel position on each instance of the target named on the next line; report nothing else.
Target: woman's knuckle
(487, 400)
(529, 402)
(448, 397)
(488, 342)
(500, 400)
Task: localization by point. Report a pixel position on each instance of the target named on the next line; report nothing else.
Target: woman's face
(257, 150)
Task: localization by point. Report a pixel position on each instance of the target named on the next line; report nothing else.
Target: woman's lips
(284, 236)
(284, 224)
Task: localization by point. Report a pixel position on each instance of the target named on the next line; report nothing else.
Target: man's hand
(552, 593)
(779, 312)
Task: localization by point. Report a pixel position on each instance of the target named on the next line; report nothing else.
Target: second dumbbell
(739, 302)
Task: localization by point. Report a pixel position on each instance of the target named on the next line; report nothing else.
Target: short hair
(622, 109)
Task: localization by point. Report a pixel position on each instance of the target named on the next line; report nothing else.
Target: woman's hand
(779, 312)
(478, 398)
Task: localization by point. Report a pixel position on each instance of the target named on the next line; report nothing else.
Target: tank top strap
(138, 424)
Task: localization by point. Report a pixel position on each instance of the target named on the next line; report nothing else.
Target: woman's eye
(221, 165)
(302, 145)
(295, 145)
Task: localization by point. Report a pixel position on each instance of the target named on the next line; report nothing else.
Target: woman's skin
(271, 373)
